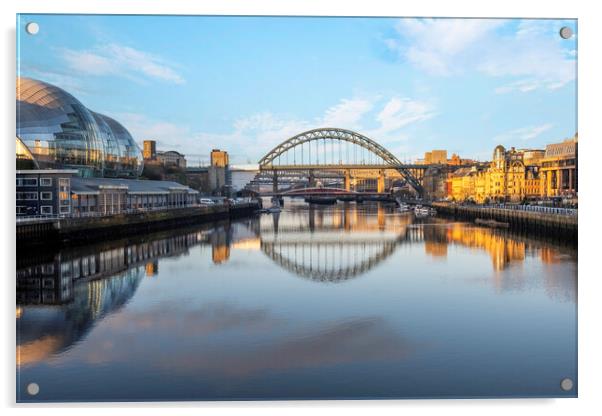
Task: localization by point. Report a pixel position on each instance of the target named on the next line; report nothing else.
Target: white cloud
(533, 55)
(524, 85)
(400, 112)
(378, 119)
(347, 113)
(119, 60)
(253, 136)
(168, 135)
(438, 46)
(89, 62)
(523, 133)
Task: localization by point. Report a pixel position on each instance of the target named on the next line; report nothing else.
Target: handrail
(96, 214)
(533, 208)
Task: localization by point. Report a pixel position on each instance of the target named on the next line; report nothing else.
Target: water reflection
(89, 283)
(333, 245)
(45, 331)
(344, 242)
(219, 309)
(320, 244)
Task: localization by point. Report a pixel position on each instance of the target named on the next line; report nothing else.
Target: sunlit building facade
(518, 175)
(219, 158)
(149, 151)
(512, 176)
(56, 131)
(463, 183)
(559, 169)
(435, 157)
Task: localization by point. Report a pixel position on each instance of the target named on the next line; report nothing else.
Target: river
(321, 302)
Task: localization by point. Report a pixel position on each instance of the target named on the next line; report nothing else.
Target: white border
(589, 154)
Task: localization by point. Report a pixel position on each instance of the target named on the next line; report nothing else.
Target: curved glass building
(55, 130)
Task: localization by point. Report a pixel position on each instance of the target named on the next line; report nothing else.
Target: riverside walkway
(560, 222)
(89, 227)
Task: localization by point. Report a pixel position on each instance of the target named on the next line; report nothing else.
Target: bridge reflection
(62, 295)
(334, 244)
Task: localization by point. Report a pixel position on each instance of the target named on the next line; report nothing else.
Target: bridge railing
(20, 219)
(534, 208)
(39, 218)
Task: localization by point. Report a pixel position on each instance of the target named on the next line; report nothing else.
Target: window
(46, 209)
(45, 181)
(47, 269)
(28, 182)
(46, 196)
(21, 210)
(27, 196)
(64, 190)
(65, 209)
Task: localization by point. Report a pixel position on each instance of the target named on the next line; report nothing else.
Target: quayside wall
(557, 225)
(92, 228)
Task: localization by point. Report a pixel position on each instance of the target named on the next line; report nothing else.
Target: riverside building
(44, 192)
(61, 193)
(559, 169)
(516, 175)
(56, 131)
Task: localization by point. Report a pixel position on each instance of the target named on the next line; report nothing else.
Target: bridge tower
(275, 182)
(347, 180)
(381, 182)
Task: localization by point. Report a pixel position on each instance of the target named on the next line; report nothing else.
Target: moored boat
(404, 208)
(421, 211)
(491, 223)
(322, 200)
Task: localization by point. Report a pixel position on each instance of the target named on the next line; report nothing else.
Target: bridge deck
(339, 167)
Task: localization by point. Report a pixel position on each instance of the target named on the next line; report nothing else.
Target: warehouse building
(60, 192)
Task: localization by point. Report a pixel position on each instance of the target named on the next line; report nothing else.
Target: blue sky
(244, 84)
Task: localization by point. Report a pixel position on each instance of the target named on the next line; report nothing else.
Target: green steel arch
(332, 273)
(333, 133)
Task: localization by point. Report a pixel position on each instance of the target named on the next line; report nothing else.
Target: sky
(245, 84)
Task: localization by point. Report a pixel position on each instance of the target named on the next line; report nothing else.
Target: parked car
(206, 201)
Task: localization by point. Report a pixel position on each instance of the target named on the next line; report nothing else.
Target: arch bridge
(352, 155)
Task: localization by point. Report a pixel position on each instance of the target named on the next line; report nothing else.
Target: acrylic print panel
(259, 208)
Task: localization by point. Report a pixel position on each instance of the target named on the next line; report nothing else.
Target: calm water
(329, 302)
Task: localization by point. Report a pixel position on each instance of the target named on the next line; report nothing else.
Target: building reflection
(62, 295)
(435, 242)
(220, 245)
(504, 251)
(51, 280)
(152, 268)
(45, 329)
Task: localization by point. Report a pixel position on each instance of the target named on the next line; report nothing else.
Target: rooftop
(93, 185)
(463, 172)
(46, 171)
(164, 152)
